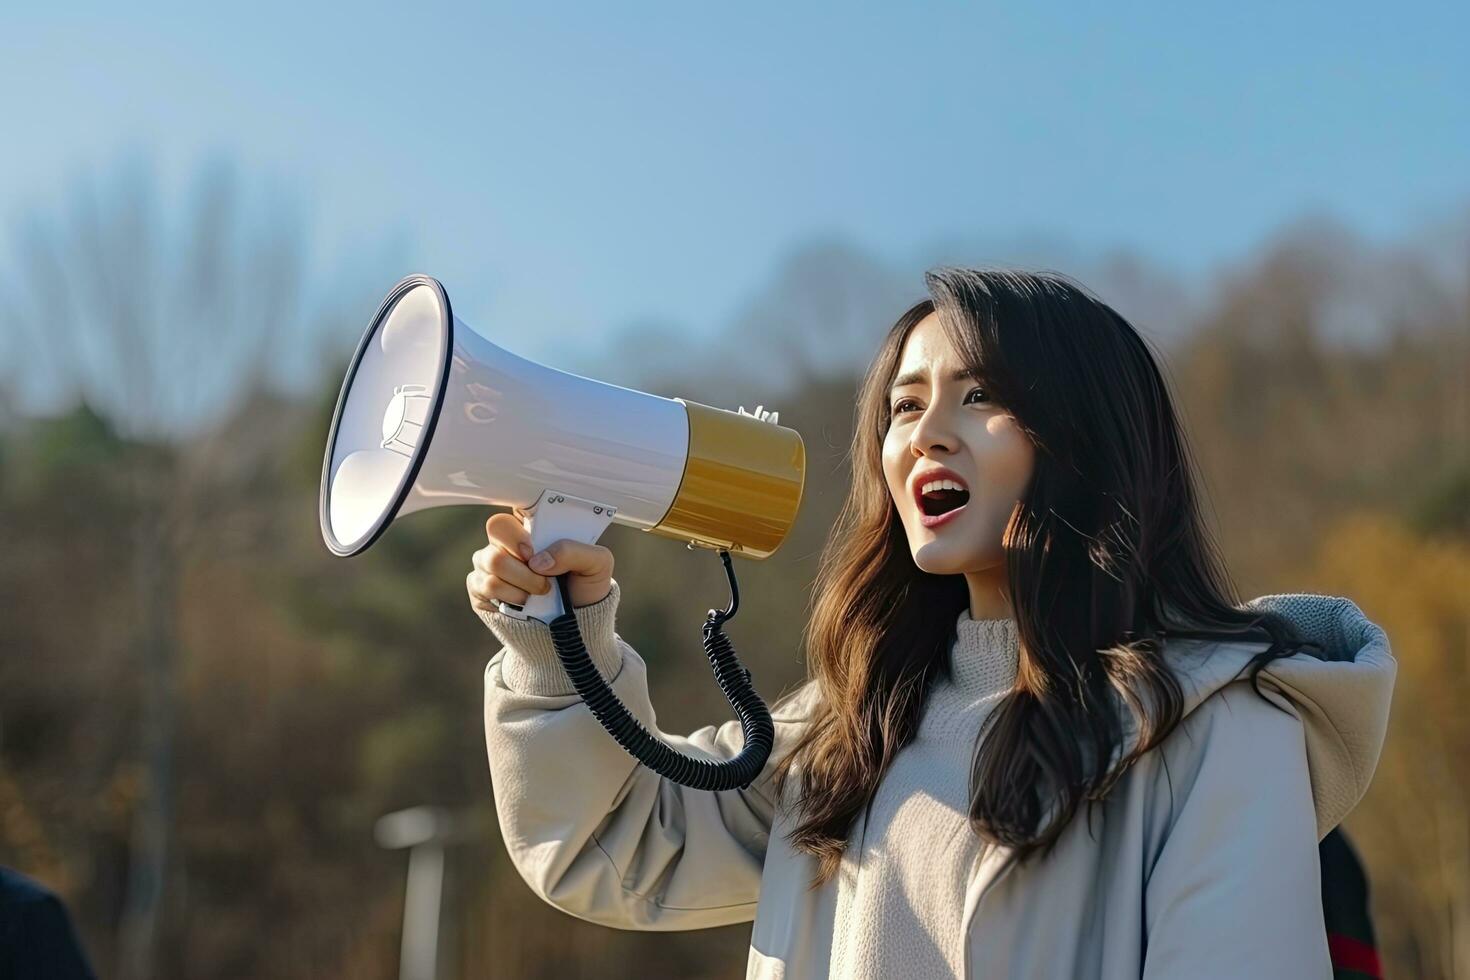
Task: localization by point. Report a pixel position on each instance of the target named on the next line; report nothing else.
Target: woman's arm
(592, 831)
(1235, 890)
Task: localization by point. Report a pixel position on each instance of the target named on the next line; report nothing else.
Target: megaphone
(432, 414)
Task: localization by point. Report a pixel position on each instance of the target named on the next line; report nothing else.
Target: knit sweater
(916, 846)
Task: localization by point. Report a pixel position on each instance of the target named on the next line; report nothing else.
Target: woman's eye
(898, 408)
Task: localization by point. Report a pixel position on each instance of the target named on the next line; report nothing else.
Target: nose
(932, 433)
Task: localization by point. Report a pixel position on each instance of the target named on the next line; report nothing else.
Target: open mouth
(937, 502)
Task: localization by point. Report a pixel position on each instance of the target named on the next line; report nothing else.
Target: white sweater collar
(984, 656)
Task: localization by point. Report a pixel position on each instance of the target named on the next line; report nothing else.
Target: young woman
(1039, 737)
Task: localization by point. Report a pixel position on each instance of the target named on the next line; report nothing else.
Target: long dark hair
(1106, 555)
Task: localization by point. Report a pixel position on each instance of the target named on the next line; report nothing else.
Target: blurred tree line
(202, 712)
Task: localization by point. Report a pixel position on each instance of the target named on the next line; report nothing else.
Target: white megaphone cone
(432, 414)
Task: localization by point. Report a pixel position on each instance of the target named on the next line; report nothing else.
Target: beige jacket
(1202, 862)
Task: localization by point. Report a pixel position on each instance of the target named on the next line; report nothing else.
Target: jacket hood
(1340, 691)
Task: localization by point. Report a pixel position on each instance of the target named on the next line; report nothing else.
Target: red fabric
(1354, 954)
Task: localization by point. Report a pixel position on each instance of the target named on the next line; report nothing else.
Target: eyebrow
(918, 377)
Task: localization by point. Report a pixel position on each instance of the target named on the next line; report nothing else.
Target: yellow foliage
(1413, 826)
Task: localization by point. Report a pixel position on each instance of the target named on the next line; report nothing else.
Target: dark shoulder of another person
(36, 934)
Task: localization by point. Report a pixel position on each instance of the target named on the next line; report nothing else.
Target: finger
(481, 559)
(509, 533)
(486, 592)
(484, 558)
(513, 572)
(576, 557)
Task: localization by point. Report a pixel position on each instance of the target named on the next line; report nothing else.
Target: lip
(939, 519)
(921, 477)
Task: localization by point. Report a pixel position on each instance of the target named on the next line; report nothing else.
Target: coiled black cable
(733, 678)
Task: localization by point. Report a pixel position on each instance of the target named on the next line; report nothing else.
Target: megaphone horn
(432, 414)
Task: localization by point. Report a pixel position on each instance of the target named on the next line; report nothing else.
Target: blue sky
(573, 168)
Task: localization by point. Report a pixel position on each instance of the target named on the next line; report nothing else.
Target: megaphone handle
(555, 516)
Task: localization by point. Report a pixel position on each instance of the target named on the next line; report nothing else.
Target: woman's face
(943, 421)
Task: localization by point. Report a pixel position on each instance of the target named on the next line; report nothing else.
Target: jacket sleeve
(591, 830)
(1235, 890)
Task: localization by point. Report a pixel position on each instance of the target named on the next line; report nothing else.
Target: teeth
(933, 485)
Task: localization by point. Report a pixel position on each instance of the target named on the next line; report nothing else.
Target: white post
(421, 912)
(424, 830)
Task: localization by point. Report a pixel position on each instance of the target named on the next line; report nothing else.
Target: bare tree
(164, 328)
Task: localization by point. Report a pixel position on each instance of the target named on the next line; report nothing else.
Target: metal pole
(424, 830)
(421, 906)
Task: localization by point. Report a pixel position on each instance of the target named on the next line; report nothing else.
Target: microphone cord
(734, 680)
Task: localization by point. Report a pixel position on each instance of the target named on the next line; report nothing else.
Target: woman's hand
(506, 571)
